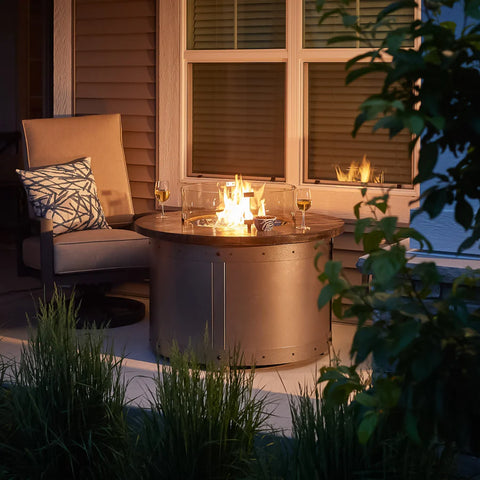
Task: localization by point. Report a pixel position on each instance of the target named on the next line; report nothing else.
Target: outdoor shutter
(238, 119)
(115, 45)
(316, 36)
(332, 108)
(236, 24)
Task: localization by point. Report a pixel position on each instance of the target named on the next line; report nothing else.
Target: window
(238, 119)
(234, 24)
(266, 95)
(332, 107)
(236, 110)
(316, 36)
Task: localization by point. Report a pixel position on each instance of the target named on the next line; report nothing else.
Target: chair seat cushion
(91, 250)
(65, 193)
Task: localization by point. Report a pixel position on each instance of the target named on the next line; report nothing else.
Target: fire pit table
(255, 290)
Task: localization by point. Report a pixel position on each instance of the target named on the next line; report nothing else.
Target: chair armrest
(46, 224)
(46, 250)
(42, 228)
(125, 221)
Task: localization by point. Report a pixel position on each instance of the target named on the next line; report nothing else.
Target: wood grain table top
(172, 229)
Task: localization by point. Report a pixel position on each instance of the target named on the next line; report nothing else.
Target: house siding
(115, 72)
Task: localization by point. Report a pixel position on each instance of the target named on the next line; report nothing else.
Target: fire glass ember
(233, 205)
(360, 173)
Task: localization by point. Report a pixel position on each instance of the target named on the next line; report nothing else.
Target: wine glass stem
(303, 219)
(163, 211)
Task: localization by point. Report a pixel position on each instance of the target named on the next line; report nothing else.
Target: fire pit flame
(363, 173)
(240, 201)
(230, 208)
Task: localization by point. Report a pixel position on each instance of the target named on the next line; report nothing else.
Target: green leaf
(415, 123)
(364, 342)
(388, 392)
(452, 26)
(427, 273)
(337, 308)
(349, 20)
(333, 269)
(328, 13)
(467, 243)
(360, 226)
(463, 213)
(388, 225)
(395, 6)
(342, 39)
(361, 71)
(389, 122)
(437, 122)
(382, 206)
(366, 400)
(394, 41)
(403, 335)
(384, 269)
(330, 373)
(356, 210)
(356, 59)
(372, 240)
(326, 294)
(426, 162)
(415, 235)
(434, 201)
(318, 255)
(367, 426)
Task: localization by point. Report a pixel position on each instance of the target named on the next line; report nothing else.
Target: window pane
(316, 36)
(235, 24)
(238, 119)
(332, 108)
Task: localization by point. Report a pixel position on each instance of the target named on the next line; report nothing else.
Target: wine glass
(304, 202)
(162, 193)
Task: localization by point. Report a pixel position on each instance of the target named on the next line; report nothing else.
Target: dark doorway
(26, 90)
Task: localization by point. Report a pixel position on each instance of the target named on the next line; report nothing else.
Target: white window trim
(173, 59)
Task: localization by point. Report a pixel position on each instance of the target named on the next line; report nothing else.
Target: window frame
(327, 198)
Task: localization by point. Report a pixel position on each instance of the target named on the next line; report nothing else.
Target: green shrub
(426, 352)
(326, 445)
(203, 422)
(62, 413)
(325, 441)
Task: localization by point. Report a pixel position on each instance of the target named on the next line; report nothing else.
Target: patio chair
(79, 196)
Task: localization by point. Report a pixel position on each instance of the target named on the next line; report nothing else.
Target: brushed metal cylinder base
(261, 299)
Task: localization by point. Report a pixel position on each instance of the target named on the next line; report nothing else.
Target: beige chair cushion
(91, 250)
(51, 141)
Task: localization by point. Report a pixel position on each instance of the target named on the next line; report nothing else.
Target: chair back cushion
(53, 141)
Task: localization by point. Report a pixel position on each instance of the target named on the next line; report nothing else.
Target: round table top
(171, 228)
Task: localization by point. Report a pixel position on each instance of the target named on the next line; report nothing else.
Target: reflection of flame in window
(363, 173)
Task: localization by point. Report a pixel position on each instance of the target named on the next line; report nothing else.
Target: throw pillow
(65, 193)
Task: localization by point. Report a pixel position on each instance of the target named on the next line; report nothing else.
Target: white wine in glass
(304, 202)
(162, 194)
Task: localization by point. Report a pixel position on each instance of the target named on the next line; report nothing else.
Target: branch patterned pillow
(67, 194)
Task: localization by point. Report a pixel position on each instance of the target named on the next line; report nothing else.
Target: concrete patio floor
(17, 296)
